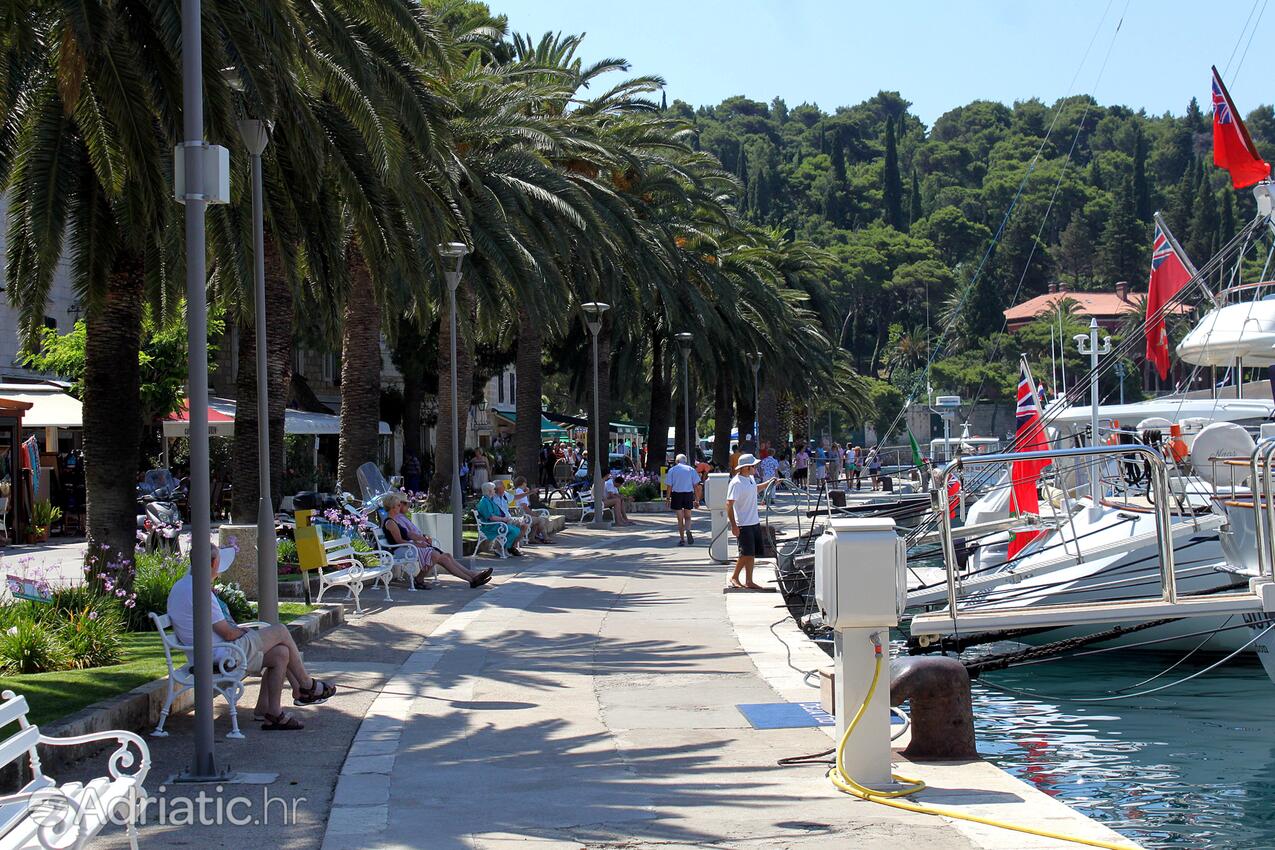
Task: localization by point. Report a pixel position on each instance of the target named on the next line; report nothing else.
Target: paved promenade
(588, 701)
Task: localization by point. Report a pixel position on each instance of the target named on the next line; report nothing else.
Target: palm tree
(82, 149)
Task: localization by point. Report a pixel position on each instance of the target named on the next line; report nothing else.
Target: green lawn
(54, 695)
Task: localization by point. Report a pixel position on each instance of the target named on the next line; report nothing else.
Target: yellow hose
(846, 784)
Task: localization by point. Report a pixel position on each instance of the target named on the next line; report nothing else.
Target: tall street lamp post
(453, 254)
(593, 311)
(201, 177)
(755, 360)
(684, 342)
(256, 136)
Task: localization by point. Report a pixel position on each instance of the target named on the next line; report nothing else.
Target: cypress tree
(914, 209)
(1141, 193)
(838, 160)
(1123, 238)
(1204, 224)
(663, 101)
(741, 167)
(1183, 202)
(891, 182)
(1226, 225)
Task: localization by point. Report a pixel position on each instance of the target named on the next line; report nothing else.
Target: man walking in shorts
(745, 524)
(681, 480)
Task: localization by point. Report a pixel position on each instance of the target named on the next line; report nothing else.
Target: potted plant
(43, 515)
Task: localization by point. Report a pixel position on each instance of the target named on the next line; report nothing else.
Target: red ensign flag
(1233, 147)
(1168, 275)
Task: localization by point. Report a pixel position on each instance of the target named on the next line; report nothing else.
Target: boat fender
(938, 688)
(1177, 445)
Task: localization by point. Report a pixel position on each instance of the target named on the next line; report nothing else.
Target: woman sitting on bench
(400, 531)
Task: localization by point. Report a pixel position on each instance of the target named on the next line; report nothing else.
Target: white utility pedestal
(859, 564)
(719, 535)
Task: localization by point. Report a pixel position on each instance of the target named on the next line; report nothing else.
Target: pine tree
(1141, 193)
(914, 209)
(1194, 117)
(891, 182)
(1075, 251)
(1123, 238)
(1182, 203)
(1095, 174)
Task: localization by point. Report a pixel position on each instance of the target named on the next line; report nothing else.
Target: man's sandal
(281, 722)
(318, 692)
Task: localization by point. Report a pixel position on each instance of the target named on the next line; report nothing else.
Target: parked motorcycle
(159, 522)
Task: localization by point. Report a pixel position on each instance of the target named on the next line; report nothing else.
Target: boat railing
(1159, 489)
(1263, 506)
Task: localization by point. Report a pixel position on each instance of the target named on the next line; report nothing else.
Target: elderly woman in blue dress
(492, 510)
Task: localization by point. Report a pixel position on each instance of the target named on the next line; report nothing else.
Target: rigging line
(1031, 167)
(1175, 664)
(1249, 42)
(1227, 67)
(1148, 692)
(1062, 173)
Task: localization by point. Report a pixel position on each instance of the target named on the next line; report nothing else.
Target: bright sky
(938, 54)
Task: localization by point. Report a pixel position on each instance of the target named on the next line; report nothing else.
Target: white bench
(584, 498)
(342, 567)
(498, 544)
(404, 558)
(229, 671)
(44, 813)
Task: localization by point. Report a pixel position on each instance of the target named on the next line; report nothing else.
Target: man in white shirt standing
(681, 480)
(745, 524)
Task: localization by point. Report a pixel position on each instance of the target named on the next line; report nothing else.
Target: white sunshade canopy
(51, 407)
(221, 422)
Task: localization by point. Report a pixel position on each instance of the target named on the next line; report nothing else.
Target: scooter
(159, 522)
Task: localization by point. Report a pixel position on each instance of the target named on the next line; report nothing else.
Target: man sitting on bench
(270, 650)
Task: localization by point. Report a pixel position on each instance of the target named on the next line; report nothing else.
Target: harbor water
(1190, 767)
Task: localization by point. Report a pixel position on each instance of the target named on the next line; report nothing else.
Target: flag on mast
(1023, 474)
(1170, 271)
(1233, 147)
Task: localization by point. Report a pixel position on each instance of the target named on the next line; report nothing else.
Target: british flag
(1221, 109)
(1233, 147)
(1161, 250)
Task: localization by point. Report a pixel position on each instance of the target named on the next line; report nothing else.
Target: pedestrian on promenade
(745, 523)
(800, 466)
(270, 650)
(411, 472)
(479, 469)
(682, 480)
(769, 470)
(874, 467)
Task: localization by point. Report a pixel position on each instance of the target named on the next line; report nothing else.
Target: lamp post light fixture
(755, 360)
(593, 311)
(453, 254)
(256, 135)
(1088, 344)
(684, 340)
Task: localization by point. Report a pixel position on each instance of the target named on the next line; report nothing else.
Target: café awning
(51, 406)
(221, 421)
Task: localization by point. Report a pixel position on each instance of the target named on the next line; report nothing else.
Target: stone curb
(138, 710)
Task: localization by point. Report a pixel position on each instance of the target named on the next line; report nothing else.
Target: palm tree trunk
(768, 416)
(527, 398)
(440, 483)
(661, 409)
(360, 373)
(113, 420)
(723, 399)
(278, 380)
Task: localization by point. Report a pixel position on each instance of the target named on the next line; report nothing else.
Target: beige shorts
(250, 643)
